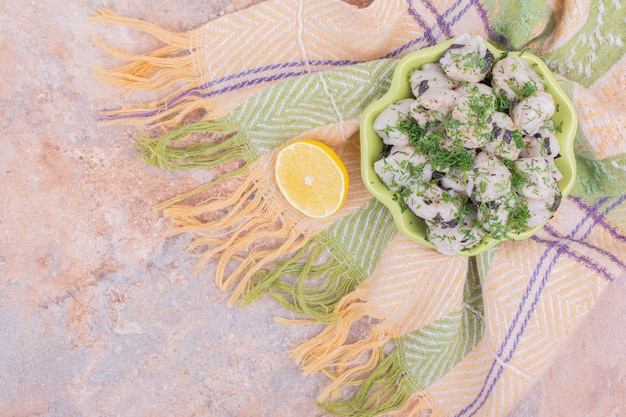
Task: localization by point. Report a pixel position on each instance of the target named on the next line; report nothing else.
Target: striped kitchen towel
(452, 335)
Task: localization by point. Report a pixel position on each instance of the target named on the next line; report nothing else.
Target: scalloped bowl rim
(372, 146)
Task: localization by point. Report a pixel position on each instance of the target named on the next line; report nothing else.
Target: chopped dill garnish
(398, 197)
(464, 207)
(518, 138)
(518, 179)
(503, 104)
(430, 144)
(559, 128)
(518, 216)
(447, 142)
(456, 157)
(528, 89)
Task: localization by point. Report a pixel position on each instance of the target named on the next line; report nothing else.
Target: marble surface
(99, 312)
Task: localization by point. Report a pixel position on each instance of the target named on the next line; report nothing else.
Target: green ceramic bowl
(372, 146)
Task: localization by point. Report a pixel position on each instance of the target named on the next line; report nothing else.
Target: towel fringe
(311, 282)
(346, 363)
(236, 229)
(106, 15)
(169, 68)
(418, 405)
(160, 152)
(136, 74)
(380, 393)
(385, 391)
(324, 350)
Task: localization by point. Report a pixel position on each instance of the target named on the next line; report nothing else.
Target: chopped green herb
(518, 138)
(503, 104)
(518, 179)
(447, 145)
(518, 216)
(559, 128)
(398, 197)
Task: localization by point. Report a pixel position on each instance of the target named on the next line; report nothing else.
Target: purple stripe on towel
(445, 28)
(586, 260)
(416, 16)
(561, 248)
(598, 217)
(490, 379)
(197, 91)
(227, 89)
(406, 46)
(428, 36)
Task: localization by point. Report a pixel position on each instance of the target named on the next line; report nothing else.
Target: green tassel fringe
(307, 286)
(160, 153)
(329, 266)
(384, 390)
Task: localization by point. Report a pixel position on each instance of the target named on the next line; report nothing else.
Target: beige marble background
(99, 313)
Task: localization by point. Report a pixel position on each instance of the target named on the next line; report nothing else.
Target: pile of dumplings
(472, 153)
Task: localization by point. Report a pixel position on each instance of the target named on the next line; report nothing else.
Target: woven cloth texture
(450, 336)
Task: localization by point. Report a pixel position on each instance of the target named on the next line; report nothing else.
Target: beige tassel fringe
(239, 234)
(170, 67)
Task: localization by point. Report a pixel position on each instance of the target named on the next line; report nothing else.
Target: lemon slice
(312, 178)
